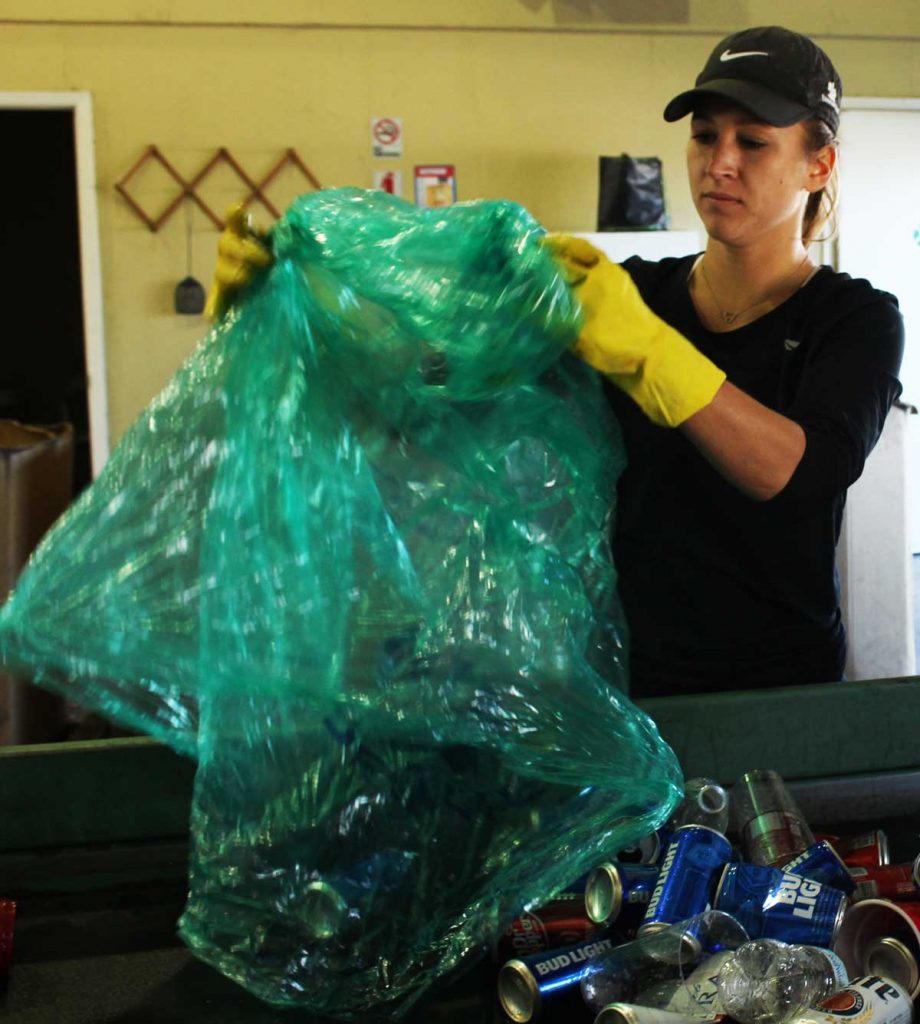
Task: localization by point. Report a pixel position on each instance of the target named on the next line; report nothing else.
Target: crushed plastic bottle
(768, 982)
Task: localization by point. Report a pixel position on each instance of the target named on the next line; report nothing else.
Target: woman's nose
(723, 158)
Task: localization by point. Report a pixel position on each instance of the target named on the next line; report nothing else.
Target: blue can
(821, 863)
(526, 986)
(770, 903)
(647, 850)
(616, 891)
(688, 870)
(574, 888)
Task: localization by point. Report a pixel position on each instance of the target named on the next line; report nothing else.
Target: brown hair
(821, 207)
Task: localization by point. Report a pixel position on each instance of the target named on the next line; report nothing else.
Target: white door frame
(90, 262)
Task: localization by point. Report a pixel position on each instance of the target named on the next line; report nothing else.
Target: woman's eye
(749, 143)
(703, 137)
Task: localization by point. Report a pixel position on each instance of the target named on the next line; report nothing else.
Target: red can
(870, 849)
(887, 882)
(7, 923)
(561, 922)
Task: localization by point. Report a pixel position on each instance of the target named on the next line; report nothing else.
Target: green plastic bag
(354, 559)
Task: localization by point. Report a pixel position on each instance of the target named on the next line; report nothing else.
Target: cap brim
(754, 98)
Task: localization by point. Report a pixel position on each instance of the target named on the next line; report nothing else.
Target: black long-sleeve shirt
(721, 591)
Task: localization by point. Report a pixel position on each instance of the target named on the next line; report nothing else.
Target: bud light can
(619, 889)
(821, 863)
(574, 888)
(691, 862)
(646, 851)
(528, 985)
(770, 903)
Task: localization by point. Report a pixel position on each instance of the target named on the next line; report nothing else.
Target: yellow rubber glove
(240, 253)
(655, 365)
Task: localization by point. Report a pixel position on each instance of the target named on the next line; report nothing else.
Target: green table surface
(93, 845)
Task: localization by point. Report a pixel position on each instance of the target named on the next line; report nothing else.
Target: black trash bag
(631, 194)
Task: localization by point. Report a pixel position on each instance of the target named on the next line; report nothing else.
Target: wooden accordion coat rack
(188, 188)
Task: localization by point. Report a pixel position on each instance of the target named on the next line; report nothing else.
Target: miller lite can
(771, 903)
(870, 1000)
(691, 863)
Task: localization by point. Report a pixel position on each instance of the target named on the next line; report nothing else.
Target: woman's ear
(821, 166)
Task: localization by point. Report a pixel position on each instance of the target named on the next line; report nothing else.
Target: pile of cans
(777, 881)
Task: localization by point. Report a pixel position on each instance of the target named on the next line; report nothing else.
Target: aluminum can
(561, 922)
(528, 985)
(871, 920)
(329, 899)
(870, 849)
(614, 890)
(574, 888)
(891, 958)
(690, 866)
(647, 850)
(773, 904)
(869, 1000)
(7, 925)
(631, 1013)
(887, 882)
(821, 863)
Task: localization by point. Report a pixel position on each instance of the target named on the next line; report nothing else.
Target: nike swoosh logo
(728, 55)
(790, 345)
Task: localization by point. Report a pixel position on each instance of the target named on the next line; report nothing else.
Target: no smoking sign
(387, 136)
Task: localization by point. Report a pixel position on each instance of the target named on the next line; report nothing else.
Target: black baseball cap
(778, 75)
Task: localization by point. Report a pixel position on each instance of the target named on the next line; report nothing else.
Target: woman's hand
(241, 252)
(655, 365)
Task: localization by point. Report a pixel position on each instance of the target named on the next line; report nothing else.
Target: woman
(750, 385)
(776, 373)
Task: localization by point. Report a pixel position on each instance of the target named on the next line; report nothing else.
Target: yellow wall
(522, 95)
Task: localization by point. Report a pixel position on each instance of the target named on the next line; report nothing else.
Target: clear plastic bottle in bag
(769, 982)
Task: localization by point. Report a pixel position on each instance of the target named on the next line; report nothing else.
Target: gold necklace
(729, 316)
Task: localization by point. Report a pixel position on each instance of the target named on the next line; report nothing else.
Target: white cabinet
(650, 245)
(874, 560)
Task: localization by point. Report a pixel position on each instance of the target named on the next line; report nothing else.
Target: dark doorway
(43, 370)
